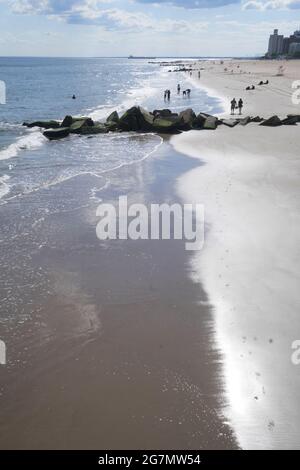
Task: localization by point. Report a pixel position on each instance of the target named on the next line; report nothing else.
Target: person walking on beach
(240, 105)
(233, 106)
(168, 95)
(199, 74)
(178, 89)
(188, 92)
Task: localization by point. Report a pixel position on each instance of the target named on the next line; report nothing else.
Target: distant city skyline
(280, 45)
(79, 28)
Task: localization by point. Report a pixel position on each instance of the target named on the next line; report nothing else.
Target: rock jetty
(160, 121)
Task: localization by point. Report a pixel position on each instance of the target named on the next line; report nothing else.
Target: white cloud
(94, 12)
(272, 5)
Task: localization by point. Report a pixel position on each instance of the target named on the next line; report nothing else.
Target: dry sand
(250, 263)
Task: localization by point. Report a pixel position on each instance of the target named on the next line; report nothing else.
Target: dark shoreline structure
(137, 119)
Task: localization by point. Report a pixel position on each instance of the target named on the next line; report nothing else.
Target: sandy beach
(249, 184)
(141, 344)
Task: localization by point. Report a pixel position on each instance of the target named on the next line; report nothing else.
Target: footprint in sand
(271, 425)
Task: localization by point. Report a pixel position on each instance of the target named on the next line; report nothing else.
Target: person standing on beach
(233, 105)
(199, 74)
(240, 105)
(178, 89)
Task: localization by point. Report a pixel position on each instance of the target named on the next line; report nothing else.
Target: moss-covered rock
(43, 124)
(55, 134)
(211, 123)
(136, 119)
(78, 127)
(70, 120)
(187, 117)
(113, 118)
(167, 125)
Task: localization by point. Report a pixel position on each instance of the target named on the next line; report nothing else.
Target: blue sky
(142, 27)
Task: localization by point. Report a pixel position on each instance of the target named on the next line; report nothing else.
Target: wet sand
(110, 344)
(249, 267)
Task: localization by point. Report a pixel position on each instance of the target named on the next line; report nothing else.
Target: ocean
(42, 88)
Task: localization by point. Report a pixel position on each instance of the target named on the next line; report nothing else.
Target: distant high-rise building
(275, 44)
(294, 49)
(279, 45)
(286, 45)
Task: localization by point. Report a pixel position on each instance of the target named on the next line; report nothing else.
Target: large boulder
(113, 118)
(273, 121)
(245, 121)
(167, 125)
(257, 119)
(136, 119)
(162, 113)
(43, 124)
(69, 120)
(187, 118)
(295, 116)
(55, 134)
(211, 123)
(199, 121)
(290, 121)
(98, 128)
(81, 126)
(230, 122)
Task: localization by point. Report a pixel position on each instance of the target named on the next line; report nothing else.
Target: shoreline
(121, 353)
(248, 184)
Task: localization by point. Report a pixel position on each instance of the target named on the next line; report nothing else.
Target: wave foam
(33, 140)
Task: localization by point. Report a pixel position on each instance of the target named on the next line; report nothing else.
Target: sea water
(42, 89)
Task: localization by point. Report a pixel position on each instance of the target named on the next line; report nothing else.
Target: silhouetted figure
(166, 95)
(233, 105)
(188, 92)
(178, 89)
(248, 88)
(199, 74)
(169, 95)
(73, 97)
(240, 105)
(253, 87)
(184, 93)
(267, 82)
(261, 83)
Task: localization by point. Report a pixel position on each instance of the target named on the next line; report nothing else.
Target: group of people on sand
(185, 93)
(237, 105)
(259, 84)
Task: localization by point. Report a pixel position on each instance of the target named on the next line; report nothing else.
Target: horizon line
(126, 57)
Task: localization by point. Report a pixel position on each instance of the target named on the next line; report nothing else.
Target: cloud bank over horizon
(160, 27)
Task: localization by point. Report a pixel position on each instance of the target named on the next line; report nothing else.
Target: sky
(105, 28)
